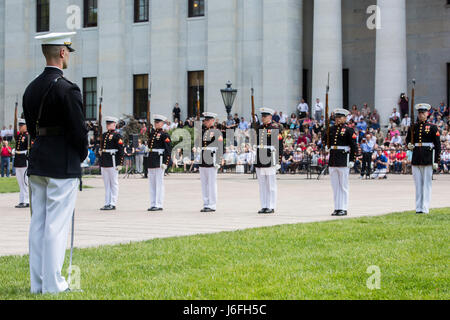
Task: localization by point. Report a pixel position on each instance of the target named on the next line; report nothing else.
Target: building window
(90, 98)
(196, 8)
(195, 92)
(141, 10)
(42, 15)
(90, 13)
(140, 96)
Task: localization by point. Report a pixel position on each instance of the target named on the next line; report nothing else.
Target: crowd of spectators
(380, 150)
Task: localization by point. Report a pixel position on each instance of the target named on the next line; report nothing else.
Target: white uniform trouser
(339, 182)
(267, 179)
(156, 180)
(111, 181)
(208, 179)
(423, 176)
(53, 203)
(22, 180)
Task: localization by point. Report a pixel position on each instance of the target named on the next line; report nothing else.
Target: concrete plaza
(299, 201)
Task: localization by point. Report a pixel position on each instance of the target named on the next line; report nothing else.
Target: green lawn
(325, 260)
(9, 185)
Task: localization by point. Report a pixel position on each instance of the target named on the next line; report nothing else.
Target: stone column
(164, 55)
(327, 52)
(282, 54)
(391, 63)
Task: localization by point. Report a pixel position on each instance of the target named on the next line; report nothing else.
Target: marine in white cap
(111, 162)
(268, 158)
(424, 140)
(342, 146)
(21, 163)
(212, 149)
(53, 110)
(159, 153)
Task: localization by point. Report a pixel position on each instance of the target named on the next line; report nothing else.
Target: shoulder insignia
(167, 140)
(280, 137)
(220, 138)
(438, 134)
(120, 141)
(354, 136)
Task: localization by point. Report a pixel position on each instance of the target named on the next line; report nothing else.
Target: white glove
(217, 166)
(435, 166)
(13, 152)
(351, 164)
(410, 146)
(164, 167)
(278, 167)
(119, 168)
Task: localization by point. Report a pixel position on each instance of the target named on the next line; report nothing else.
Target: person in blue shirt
(381, 163)
(367, 147)
(362, 125)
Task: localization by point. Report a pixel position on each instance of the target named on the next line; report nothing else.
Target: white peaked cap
(57, 39)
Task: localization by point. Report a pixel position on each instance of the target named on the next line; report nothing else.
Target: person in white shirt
(3, 133)
(406, 123)
(396, 139)
(395, 116)
(283, 118)
(166, 127)
(302, 109)
(318, 109)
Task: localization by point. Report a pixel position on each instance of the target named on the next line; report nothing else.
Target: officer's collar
(53, 69)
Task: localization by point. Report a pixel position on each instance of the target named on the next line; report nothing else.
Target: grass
(9, 185)
(326, 260)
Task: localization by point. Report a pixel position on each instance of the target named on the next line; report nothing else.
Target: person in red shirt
(6, 154)
(392, 156)
(401, 160)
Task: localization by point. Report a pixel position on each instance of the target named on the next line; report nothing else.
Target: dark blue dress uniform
(111, 141)
(341, 136)
(61, 142)
(426, 154)
(21, 157)
(343, 150)
(267, 152)
(209, 145)
(426, 143)
(158, 141)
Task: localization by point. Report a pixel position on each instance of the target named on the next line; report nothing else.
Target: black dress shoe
(420, 212)
(104, 208)
(158, 209)
(270, 211)
(20, 206)
(27, 205)
(341, 213)
(335, 213)
(151, 209)
(112, 207)
(263, 211)
(209, 210)
(203, 210)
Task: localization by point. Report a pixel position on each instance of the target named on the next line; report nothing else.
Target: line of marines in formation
(342, 148)
(53, 142)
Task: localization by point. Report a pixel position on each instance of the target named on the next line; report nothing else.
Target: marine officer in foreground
(53, 110)
(426, 147)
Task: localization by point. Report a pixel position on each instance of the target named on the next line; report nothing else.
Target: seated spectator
(374, 120)
(297, 158)
(396, 139)
(381, 163)
(395, 116)
(177, 159)
(289, 141)
(406, 123)
(286, 160)
(6, 154)
(445, 161)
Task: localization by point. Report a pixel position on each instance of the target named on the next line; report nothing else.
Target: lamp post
(228, 96)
